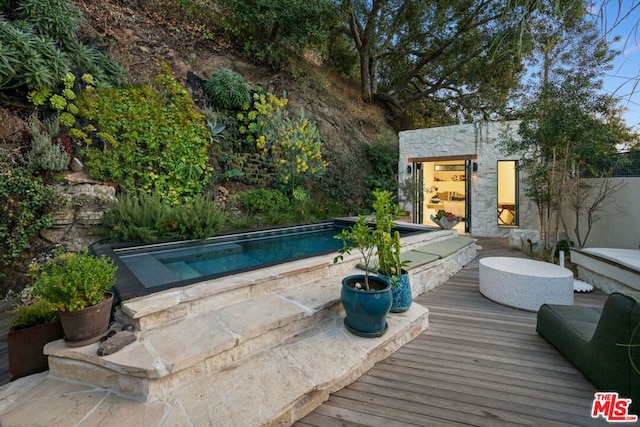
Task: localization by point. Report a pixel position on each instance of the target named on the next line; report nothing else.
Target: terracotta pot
(88, 325)
(25, 348)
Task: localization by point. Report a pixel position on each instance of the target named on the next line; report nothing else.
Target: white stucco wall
(481, 139)
(619, 226)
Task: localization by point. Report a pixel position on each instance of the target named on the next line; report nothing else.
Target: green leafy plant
(73, 281)
(37, 312)
(228, 90)
(46, 153)
(39, 44)
(25, 208)
(383, 157)
(61, 101)
(364, 239)
(260, 201)
(146, 217)
(293, 148)
(260, 118)
(147, 138)
(388, 244)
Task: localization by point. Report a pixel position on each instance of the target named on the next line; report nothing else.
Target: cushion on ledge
(447, 247)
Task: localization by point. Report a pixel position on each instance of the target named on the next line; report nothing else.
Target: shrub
(261, 201)
(293, 148)
(46, 153)
(25, 209)
(383, 156)
(39, 45)
(73, 281)
(228, 90)
(148, 137)
(147, 218)
(39, 312)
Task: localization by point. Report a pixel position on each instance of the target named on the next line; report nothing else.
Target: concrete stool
(525, 283)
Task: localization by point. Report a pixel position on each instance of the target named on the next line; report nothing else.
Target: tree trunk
(365, 76)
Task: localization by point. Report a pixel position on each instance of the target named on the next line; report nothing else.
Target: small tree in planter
(77, 285)
(363, 238)
(388, 247)
(366, 298)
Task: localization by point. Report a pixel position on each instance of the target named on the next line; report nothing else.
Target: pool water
(158, 267)
(151, 268)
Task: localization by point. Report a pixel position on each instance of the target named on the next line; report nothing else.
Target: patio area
(478, 363)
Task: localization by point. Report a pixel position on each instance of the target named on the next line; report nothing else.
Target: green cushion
(413, 258)
(416, 259)
(446, 247)
(600, 343)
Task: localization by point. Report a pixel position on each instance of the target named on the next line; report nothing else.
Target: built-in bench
(431, 264)
(602, 343)
(429, 253)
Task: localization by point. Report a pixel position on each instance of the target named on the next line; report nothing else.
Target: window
(508, 192)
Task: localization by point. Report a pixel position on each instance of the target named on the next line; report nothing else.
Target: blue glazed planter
(401, 292)
(366, 310)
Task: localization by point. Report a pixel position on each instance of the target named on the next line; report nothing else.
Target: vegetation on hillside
(171, 141)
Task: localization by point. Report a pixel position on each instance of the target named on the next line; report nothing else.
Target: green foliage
(361, 237)
(25, 209)
(388, 245)
(60, 100)
(73, 281)
(262, 118)
(39, 312)
(266, 27)
(293, 148)
(228, 90)
(383, 156)
(39, 45)
(151, 138)
(147, 218)
(261, 201)
(46, 154)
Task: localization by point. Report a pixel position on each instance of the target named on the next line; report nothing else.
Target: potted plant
(445, 220)
(33, 324)
(390, 266)
(77, 285)
(366, 298)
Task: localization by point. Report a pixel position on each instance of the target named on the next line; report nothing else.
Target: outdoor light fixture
(475, 166)
(408, 168)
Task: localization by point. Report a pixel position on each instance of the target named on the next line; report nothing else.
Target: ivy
(25, 204)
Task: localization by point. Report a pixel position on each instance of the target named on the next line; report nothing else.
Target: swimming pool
(146, 269)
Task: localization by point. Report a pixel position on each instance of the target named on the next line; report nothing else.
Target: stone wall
(481, 140)
(83, 204)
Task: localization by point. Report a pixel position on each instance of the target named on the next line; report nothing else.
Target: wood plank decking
(479, 363)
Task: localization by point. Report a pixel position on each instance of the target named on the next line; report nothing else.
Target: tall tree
(568, 122)
(465, 54)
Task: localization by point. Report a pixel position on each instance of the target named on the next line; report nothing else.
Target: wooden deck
(479, 363)
(4, 352)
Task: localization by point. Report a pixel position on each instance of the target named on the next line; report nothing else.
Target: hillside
(144, 41)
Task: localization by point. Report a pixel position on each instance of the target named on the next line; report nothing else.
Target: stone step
(283, 384)
(163, 358)
(162, 308)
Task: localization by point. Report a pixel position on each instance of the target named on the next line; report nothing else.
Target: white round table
(525, 283)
